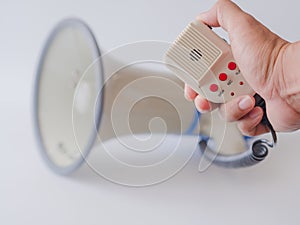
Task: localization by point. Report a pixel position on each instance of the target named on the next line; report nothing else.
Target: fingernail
(245, 103)
(254, 113)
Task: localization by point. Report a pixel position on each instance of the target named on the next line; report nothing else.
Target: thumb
(227, 15)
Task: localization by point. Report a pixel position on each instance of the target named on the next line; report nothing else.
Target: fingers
(240, 109)
(189, 93)
(237, 108)
(250, 124)
(247, 116)
(202, 104)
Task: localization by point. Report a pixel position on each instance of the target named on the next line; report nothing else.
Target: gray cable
(255, 154)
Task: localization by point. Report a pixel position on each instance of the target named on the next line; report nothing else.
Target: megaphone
(83, 97)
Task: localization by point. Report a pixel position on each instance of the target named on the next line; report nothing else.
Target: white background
(31, 194)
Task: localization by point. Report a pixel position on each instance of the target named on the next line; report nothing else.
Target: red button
(232, 66)
(213, 87)
(223, 76)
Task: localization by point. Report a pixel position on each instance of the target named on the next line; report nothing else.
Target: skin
(268, 63)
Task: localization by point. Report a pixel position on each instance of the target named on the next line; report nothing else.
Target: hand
(268, 63)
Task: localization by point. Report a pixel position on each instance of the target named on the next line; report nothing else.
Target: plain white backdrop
(31, 194)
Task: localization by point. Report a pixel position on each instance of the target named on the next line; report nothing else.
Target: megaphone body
(83, 97)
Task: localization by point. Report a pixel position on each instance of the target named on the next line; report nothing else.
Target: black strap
(259, 101)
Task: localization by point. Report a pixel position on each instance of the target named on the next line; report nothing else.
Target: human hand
(268, 63)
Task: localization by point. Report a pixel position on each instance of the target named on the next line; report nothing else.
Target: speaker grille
(193, 52)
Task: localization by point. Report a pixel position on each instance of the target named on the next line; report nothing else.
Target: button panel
(226, 83)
